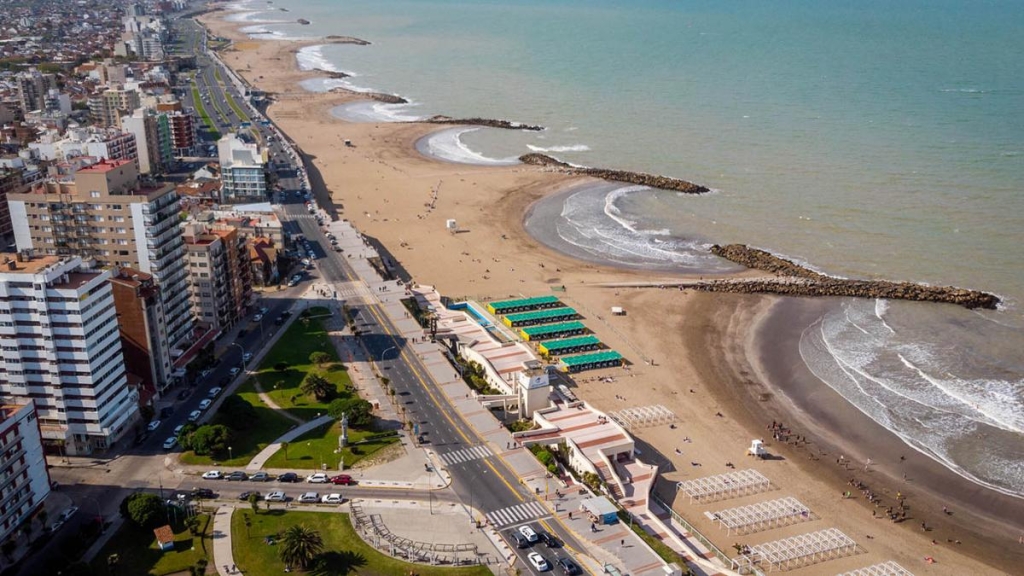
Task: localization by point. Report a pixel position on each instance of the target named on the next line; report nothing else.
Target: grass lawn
(198, 101)
(344, 549)
(318, 445)
(234, 106)
(300, 340)
(139, 554)
(269, 425)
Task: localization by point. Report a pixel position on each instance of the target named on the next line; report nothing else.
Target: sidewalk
(223, 558)
(260, 459)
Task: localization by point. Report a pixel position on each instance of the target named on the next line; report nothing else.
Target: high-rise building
(61, 349)
(108, 214)
(106, 108)
(242, 171)
(218, 260)
(183, 128)
(10, 181)
(143, 326)
(32, 86)
(144, 123)
(24, 479)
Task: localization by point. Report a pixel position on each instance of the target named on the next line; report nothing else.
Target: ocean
(877, 139)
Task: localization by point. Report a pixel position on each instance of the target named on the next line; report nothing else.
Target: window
(94, 194)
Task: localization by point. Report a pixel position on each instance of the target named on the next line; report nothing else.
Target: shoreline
(387, 183)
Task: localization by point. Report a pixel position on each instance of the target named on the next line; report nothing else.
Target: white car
(318, 478)
(234, 370)
(178, 429)
(170, 443)
(264, 310)
(257, 318)
(212, 475)
(528, 533)
(205, 404)
(194, 415)
(65, 515)
(332, 499)
(247, 356)
(153, 425)
(205, 373)
(214, 391)
(538, 561)
(276, 496)
(309, 497)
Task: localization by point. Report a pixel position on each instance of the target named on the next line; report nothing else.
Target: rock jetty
(639, 178)
(337, 75)
(303, 21)
(799, 281)
(335, 39)
(387, 98)
(488, 122)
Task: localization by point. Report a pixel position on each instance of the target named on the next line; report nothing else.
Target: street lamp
(382, 354)
(231, 454)
(242, 350)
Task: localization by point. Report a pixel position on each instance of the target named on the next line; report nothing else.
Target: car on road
(178, 429)
(260, 476)
(152, 426)
(569, 567)
(257, 318)
(309, 498)
(247, 357)
(234, 370)
(289, 477)
(245, 495)
(205, 404)
(344, 479)
(528, 533)
(56, 525)
(166, 412)
(538, 561)
(548, 540)
(214, 391)
(264, 310)
(195, 415)
(212, 475)
(318, 478)
(332, 499)
(237, 476)
(203, 493)
(276, 496)
(205, 373)
(67, 514)
(170, 443)
(519, 539)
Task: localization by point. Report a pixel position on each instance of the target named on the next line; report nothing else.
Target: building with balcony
(106, 108)
(242, 170)
(24, 479)
(60, 348)
(153, 137)
(10, 181)
(218, 260)
(31, 86)
(106, 143)
(107, 214)
(143, 327)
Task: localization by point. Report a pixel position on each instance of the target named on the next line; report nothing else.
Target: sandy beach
(712, 353)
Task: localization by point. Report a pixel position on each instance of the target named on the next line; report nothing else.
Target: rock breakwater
(639, 178)
(487, 122)
(797, 280)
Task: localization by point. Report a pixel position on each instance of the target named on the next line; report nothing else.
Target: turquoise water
(875, 139)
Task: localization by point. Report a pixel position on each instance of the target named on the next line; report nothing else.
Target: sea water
(876, 139)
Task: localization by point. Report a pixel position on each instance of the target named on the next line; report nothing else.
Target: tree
(144, 509)
(284, 445)
(211, 439)
(319, 358)
(254, 501)
(236, 413)
(8, 548)
(299, 545)
(359, 411)
(318, 387)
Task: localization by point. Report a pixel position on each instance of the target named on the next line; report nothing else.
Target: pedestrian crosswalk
(516, 514)
(465, 455)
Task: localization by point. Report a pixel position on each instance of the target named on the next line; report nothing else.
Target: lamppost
(382, 354)
(430, 488)
(231, 454)
(242, 350)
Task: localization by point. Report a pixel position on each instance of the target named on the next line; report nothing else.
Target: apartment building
(10, 181)
(218, 260)
(107, 213)
(60, 349)
(31, 87)
(106, 108)
(242, 171)
(107, 143)
(143, 327)
(24, 479)
(153, 136)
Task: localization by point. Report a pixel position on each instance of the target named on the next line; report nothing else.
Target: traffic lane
(550, 554)
(230, 491)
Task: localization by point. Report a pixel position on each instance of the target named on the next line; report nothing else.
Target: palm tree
(299, 545)
(317, 386)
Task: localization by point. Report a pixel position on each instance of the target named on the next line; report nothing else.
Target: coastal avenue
(484, 484)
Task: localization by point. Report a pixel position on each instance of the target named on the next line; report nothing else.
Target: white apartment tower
(60, 348)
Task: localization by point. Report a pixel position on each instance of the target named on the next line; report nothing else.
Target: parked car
(289, 477)
(67, 514)
(237, 476)
(214, 391)
(166, 412)
(538, 561)
(257, 318)
(194, 415)
(528, 533)
(205, 404)
(203, 493)
(212, 475)
(178, 429)
(276, 496)
(264, 309)
(309, 498)
(342, 479)
(332, 499)
(260, 476)
(247, 357)
(318, 478)
(153, 425)
(569, 567)
(234, 370)
(244, 496)
(205, 373)
(170, 443)
(519, 539)
(548, 540)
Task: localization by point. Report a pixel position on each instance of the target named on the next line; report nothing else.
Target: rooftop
(104, 166)
(34, 265)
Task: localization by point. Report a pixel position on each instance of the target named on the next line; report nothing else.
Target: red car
(342, 479)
